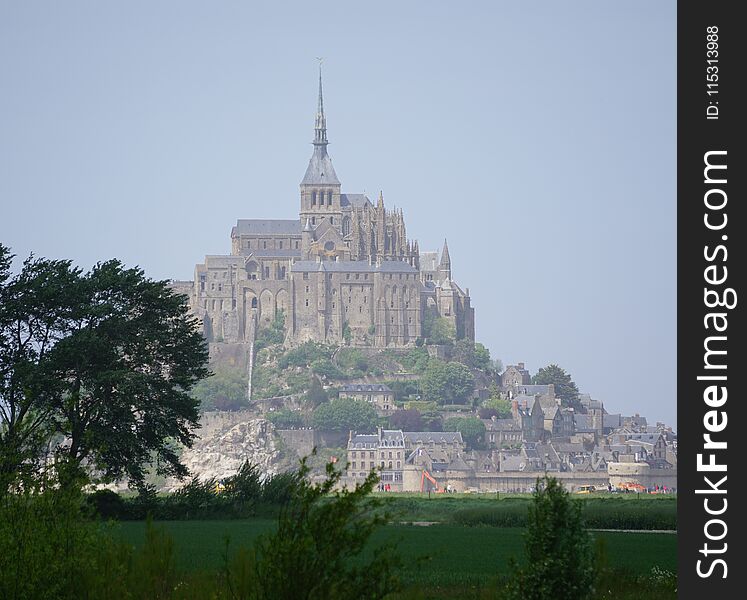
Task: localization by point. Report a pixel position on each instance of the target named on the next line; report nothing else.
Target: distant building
(378, 394)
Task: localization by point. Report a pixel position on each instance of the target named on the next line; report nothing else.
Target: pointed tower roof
(320, 169)
(445, 258)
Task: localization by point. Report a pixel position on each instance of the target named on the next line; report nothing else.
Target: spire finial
(320, 125)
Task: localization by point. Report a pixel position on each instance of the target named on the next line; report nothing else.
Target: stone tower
(320, 188)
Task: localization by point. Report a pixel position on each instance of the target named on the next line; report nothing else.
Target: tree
(226, 389)
(317, 550)
(406, 420)
(498, 404)
(35, 312)
(447, 383)
(315, 395)
(344, 414)
(437, 330)
(471, 354)
(132, 356)
(286, 419)
(565, 388)
(559, 557)
(471, 428)
(103, 361)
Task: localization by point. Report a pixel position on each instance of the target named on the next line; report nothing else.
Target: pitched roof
(267, 227)
(437, 437)
(356, 200)
(365, 387)
(353, 266)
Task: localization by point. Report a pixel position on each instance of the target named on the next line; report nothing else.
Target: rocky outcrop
(226, 440)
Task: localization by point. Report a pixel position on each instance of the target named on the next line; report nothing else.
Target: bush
(558, 552)
(318, 534)
(344, 414)
(286, 419)
(107, 504)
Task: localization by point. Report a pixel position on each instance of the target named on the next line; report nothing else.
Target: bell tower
(320, 188)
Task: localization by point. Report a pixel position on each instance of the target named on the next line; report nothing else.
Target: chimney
(515, 408)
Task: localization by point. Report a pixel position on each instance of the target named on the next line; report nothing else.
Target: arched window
(329, 198)
(254, 302)
(313, 198)
(346, 226)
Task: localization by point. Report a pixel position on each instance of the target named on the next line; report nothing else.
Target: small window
(307, 301)
(264, 245)
(305, 275)
(331, 220)
(296, 245)
(313, 198)
(280, 244)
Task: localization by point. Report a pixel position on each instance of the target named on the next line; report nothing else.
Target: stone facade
(378, 394)
(344, 271)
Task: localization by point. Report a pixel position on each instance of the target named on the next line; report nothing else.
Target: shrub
(343, 414)
(318, 534)
(558, 551)
(285, 419)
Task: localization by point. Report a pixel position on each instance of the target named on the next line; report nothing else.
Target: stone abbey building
(343, 271)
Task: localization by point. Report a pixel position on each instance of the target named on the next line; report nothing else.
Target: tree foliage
(565, 388)
(471, 354)
(102, 361)
(447, 383)
(226, 389)
(317, 550)
(407, 420)
(559, 556)
(344, 414)
(471, 428)
(286, 419)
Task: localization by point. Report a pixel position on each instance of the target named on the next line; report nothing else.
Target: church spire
(445, 259)
(320, 124)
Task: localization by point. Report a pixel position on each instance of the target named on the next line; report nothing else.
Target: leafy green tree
(36, 310)
(447, 383)
(130, 359)
(471, 354)
(286, 419)
(565, 388)
(497, 403)
(317, 551)
(315, 395)
(559, 556)
(226, 389)
(436, 329)
(104, 361)
(344, 414)
(471, 428)
(407, 420)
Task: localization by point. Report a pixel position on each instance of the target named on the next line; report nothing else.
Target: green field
(452, 555)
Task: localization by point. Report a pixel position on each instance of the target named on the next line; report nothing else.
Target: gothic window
(305, 275)
(254, 303)
(329, 198)
(329, 246)
(267, 272)
(313, 220)
(313, 198)
(332, 220)
(281, 244)
(296, 245)
(346, 226)
(264, 245)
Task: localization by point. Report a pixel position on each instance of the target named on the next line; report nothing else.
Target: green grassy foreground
(453, 555)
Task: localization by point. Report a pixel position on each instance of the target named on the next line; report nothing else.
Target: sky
(539, 137)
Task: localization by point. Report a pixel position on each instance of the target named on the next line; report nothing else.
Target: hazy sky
(539, 137)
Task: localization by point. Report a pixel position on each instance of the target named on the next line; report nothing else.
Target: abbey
(343, 272)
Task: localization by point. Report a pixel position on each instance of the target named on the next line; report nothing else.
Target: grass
(457, 556)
